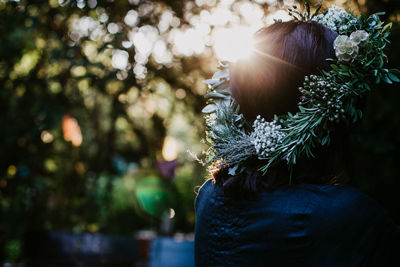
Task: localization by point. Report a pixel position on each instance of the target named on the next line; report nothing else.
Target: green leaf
(238, 118)
(307, 4)
(224, 91)
(370, 62)
(232, 170)
(345, 74)
(386, 79)
(387, 27)
(381, 62)
(317, 11)
(222, 86)
(378, 79)
(344, 67)
(379, 14)
(325, 140)
(209, 109)
(213, 82)
(221, 74)
(325, 72)
(393, 77)
(333, 66)
(224, 64)
(215, 95)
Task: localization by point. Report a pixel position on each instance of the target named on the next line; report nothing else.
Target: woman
(257, 219)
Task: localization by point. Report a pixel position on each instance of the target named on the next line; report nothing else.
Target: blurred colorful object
(71, 130)
(153, 196)
(167, 168)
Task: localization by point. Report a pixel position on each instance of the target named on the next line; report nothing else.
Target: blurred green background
(100, 101)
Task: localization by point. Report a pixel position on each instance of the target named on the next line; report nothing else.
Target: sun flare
(233, 44)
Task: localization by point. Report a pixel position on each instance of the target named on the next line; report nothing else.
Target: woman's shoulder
(339, 203)
(333, 202)
(204, 192)
(341, 198)
(335, 196)
(343, 210)
(363, 227)
(325, 202)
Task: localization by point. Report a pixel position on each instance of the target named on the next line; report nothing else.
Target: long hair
(285, 53)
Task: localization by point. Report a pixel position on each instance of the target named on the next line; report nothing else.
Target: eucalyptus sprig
(303, 16)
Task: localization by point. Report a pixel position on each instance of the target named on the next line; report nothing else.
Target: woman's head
(284, 53)
(267, 84)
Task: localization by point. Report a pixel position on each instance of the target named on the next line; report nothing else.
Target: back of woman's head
(267, 83)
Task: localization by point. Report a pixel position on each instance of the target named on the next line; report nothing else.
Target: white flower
(345, 48)
(339, 41)
(359, 36)
(266, 136)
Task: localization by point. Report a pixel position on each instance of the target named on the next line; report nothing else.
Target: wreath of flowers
(326, 100)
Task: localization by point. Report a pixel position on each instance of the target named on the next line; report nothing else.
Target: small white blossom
(265, 137)
(336, 19)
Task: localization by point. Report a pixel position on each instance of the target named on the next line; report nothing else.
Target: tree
(91, 89)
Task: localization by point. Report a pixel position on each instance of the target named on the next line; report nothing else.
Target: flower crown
(326, 100)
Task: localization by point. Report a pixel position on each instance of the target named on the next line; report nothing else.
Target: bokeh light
(46, 137)
(71, 130)
(120, 59)
(170, 148)
(233, 44)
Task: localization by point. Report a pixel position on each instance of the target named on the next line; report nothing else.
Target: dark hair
(285, 53)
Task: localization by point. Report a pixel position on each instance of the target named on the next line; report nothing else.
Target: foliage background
(86, 112)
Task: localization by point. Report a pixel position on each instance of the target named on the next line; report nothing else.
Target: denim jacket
(294, 225)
